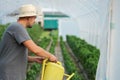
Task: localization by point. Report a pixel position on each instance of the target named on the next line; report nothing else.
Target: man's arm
(38, 50)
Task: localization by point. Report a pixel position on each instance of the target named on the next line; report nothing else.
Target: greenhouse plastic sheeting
(114, 53)
(88, 19)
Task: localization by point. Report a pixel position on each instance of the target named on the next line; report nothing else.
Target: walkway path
(58, 53)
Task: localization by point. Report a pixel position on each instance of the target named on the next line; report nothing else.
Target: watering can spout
(53, 71)
(69, 76)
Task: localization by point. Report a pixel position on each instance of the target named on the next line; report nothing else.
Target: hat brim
(27, 15)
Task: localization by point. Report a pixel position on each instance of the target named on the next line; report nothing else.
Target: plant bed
(69, 64)
(86, 53)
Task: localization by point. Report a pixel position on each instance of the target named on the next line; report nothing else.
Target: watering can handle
(43, 68)
(59, 63)
(69, 76)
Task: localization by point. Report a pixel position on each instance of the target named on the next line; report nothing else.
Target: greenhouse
(78, 32)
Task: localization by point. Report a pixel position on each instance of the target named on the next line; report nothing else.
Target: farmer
(15, 44)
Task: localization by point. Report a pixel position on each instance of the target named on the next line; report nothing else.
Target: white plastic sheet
(114, 57)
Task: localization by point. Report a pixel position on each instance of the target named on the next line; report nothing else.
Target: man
(15, 44)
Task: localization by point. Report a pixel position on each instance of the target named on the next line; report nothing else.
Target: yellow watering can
(53, 71)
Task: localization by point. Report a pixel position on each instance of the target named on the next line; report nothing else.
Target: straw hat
(27, 10)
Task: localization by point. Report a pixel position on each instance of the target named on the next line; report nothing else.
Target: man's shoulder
(14, 26)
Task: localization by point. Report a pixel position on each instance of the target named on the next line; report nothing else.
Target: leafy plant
(86, 53)
(69, 64)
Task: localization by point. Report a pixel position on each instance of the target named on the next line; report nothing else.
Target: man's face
(31, 21)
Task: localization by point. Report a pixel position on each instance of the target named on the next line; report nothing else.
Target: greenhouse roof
(54, 14)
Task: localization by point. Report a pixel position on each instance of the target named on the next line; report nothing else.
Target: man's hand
(53, 58)
(35, 59)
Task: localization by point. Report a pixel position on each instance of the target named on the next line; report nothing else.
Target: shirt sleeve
(20, 34)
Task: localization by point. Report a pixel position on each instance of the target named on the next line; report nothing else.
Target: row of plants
(54, 37)
(33, 71)
(69, 64)
(87, 54)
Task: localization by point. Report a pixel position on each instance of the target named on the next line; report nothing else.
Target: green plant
(86, 53)
(54, 37)
(69, 64)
